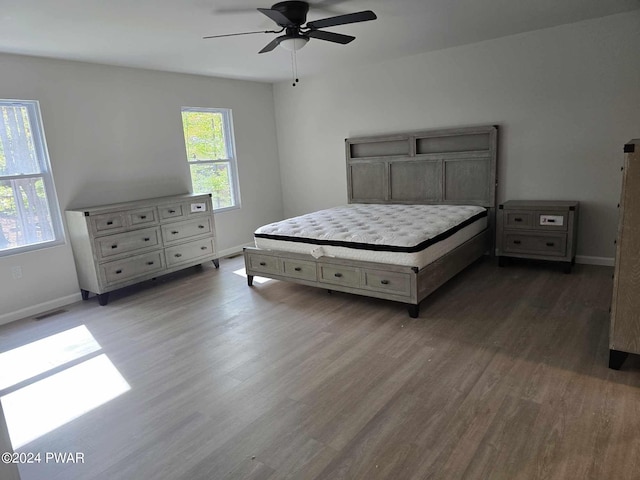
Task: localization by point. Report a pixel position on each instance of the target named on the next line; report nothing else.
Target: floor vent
(49, 314)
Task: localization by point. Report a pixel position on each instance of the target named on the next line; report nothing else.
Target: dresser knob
(203, 248)
(200, 226)
(262, 264)
(384, 282)
(517, 219)
(146, 239)
(298, 269)
(550, 244)
(149, 263)
(517, 242)
(172, 211)
(109, 222)
(114, 246)
(175, 232)
(142, 217)
(338, 275)
(178, 255)
(118, 271)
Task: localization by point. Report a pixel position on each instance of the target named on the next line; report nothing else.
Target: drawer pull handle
(178, 255)
(200, 226)
(550, 244)
(114, 246)
(384, 282)
(199, 207)
(172, 211)
(263, 264)
(118, 271)
(517, 242)
(338, 275)
(175, 232)
(110, 222)
(298, 269)
(146, 239)
(142, 217)
(203, 248)
(149, 263)
(551, 220)
(518, 219)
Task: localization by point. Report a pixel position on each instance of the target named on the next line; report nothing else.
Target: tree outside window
(29, 214)
(210, 149)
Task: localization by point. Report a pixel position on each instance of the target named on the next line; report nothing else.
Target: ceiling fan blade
(330, 36)
(277, 17)
(243, 33)
(272, 44)
(343, 19)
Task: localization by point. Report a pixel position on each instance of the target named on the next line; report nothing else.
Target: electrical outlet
(16, 272)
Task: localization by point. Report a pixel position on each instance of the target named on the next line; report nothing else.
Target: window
(29, 212)
(208, 138)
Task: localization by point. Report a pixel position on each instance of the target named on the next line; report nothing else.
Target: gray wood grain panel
(368, 182)
(625, 309)
(468, 181)
(417, 181)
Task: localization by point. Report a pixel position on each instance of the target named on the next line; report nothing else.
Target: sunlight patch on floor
(256, 279)
(48, 404)
(38, 357)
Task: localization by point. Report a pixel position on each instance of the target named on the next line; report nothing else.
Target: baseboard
(40, 308)
(230, 252)
(589, 260)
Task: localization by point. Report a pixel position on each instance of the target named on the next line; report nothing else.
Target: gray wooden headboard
(452, 166)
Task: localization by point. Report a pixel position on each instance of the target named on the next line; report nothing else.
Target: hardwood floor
(503, 376)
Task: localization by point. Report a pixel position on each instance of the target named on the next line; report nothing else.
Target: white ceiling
(167, 34)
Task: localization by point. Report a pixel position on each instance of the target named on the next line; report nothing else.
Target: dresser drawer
(175, 232)
(300, 269)
(534, 244)
(197, 207)
(339, 275)
(174, 212)
(118, 244)
(188, 251)
(122, 270)
(391, 282)
(263, 263)
(140, 218)
(517, 219)
(551, 221)
(108, 222)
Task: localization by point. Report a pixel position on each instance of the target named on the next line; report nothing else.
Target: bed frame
(452, 166)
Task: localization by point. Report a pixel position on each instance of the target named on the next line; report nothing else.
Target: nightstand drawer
(535, 244)
(339, 275)
(551, 221)
(515, 219)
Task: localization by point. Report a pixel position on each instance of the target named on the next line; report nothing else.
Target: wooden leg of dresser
(566, 267)
(216, 263)
(84, 293)
(616, 359)
(502, 261)
(103, 298)
(250, 280)
(414, 310)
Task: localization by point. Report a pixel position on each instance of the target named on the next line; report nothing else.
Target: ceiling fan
(291, 17)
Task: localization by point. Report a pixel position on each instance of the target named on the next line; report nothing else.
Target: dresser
(125, 243)
(624, 333)
(539, 230)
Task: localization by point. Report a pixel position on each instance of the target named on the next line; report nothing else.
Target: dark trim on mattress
(379, 248)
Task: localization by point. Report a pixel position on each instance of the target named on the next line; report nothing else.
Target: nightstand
(539, 230)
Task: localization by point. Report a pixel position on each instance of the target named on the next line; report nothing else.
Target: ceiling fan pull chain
(295, 66)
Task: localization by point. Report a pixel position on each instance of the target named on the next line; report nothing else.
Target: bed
(421, 209)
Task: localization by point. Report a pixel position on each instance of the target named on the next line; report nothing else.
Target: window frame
(46, 174)
(230, 147)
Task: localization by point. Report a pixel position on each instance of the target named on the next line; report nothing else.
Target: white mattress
(411, 235)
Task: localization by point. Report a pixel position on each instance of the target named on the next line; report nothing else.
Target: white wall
(115, 134)
(566, 99)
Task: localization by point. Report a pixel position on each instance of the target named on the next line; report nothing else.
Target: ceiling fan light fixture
(293, 44)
